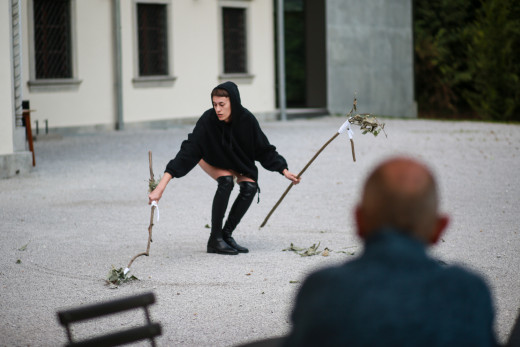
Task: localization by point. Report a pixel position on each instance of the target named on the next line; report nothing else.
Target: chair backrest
(148, 331)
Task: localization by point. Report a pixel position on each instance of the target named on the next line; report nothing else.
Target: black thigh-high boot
(238, 210)
(215, 243)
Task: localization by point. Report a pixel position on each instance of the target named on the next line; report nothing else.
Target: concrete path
(84, 209)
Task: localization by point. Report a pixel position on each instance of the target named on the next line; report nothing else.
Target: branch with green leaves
(118, 276)
(367, 123)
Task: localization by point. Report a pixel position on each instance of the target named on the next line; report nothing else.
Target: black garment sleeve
(189, 154)
(265, 153)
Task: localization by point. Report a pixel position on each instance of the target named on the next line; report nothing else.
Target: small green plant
(152, 184)
(116, 277)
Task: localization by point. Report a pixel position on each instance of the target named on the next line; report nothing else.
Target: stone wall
(370, 51)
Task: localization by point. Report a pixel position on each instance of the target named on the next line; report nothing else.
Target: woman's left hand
(290, 176)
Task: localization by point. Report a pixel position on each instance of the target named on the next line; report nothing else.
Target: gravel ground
(84, 209)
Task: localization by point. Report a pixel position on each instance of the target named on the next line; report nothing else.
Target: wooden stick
(147, 253)
(354, 108)
(299, 175)
(151, 167)
(353, 152)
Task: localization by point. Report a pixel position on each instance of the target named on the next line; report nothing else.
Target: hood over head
(234, 98)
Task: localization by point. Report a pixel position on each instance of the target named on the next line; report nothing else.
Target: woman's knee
(225, 184)
(248, 188)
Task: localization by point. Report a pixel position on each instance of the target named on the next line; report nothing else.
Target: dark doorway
(305, 55)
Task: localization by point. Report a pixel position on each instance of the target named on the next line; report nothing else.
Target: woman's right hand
(292, 177)
(155, 195)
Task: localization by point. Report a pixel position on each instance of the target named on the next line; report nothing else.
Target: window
(152, 36)
(52, 39)
(52, 45)
(234, 40)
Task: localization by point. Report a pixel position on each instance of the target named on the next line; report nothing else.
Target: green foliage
(304, 252)
(152, 184)
(368, 123)
(117, 277)
(494, 67)
(466, 57)
(312, 250)
(440, 55)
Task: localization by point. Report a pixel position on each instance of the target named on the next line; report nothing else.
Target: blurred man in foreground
(394, 294)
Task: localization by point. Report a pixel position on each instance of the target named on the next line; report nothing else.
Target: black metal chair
(514, 337)
(268, 342)
(148, 331)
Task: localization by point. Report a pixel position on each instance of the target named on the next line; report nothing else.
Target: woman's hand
(290, 176)
(157, 193)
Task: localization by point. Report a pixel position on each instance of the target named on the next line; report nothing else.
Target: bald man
(394, 294)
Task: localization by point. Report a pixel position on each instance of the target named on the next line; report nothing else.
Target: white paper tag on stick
(154, 203)
(346, 126)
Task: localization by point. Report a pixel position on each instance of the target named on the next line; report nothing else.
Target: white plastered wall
(195, 48)
(91, 102)
(259, 97)
(192, 43)
(195, 63)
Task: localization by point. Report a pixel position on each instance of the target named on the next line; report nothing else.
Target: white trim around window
(55, 84)
(160, 80)
(247, 77)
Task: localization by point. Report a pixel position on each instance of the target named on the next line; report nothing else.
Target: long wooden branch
(299, 175)
(354, 108)
(353, 152)
(147, 253)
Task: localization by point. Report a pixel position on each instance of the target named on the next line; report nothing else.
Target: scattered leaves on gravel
(116, 277)
(312, 250)
(304, 252)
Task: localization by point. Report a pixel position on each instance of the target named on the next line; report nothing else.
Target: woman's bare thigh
(216, 172)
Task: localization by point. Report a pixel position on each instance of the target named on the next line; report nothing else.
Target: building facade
(99, 64)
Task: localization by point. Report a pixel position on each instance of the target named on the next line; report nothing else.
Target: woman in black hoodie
(226, 142)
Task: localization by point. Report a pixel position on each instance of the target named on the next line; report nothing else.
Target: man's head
(401, 193)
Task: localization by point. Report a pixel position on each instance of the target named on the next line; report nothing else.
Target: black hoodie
(235, 145)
